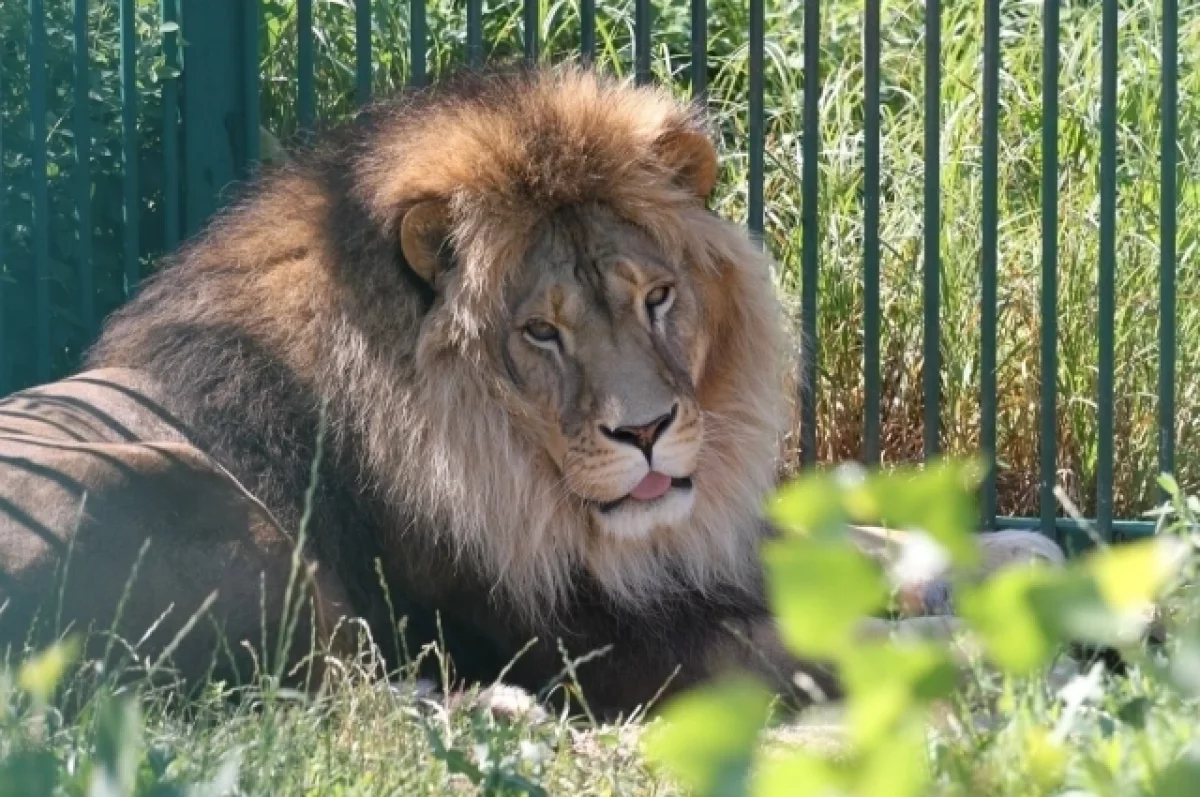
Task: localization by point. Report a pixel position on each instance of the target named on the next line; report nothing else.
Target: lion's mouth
(651, 495)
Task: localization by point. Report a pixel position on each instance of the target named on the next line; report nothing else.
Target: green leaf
(1131, 575)
(799, 773)
(1133, 712)
(820, 591)
(1070, 607)
(118, 747)
(810, 505)
(707, 738)
(1169, 485)
(1023, 614)
(1002, 612)
(1046, 760)
(1107, 597)
(898, 766)
(29, 774)
(887, 683)
(40, 675)
(938, 499)
(1180, 777)
(1182, 669)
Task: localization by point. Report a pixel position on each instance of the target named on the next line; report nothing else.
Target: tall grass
(840, 315)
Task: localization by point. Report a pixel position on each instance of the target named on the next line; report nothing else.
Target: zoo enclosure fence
(210, 138)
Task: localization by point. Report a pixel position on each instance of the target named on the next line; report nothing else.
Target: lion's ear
(424, 233)
(693, 159)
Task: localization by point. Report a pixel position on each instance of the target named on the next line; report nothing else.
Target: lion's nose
(643, 437)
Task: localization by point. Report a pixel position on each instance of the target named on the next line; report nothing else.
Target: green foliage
(500, 758)
(41, 675)
(821, 587)
(116, 763)
(710, 736)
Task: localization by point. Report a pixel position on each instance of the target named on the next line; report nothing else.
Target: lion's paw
(511, 703)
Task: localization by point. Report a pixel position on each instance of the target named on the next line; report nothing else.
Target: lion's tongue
(655, 485)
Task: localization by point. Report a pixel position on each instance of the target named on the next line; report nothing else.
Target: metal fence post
(215, 127)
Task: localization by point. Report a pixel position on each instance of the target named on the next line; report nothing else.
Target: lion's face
(604, 339)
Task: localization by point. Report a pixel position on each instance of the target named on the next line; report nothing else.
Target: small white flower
(534, 753)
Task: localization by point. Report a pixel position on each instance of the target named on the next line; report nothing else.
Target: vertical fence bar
(306, 102)
(1049, 333)
(362, 49)
(41, 202)
(213, 109)
(170, 130)
(5, 382)
(871, 329)
(129, 145)
(532, 24)
(587, 30)
(475, 31)
(931, 374)
(418, 37)
(809, 177)
(641, 40)
(699, 34)
(81, 119)
(1167, 218)
(250, 100)
(990, 253)
(1107, 272)
(754, 189)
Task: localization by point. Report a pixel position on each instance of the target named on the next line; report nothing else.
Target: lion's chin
(637, 520)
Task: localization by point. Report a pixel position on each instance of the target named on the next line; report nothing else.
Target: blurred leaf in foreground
(938, 499)
(29, 774)
(707, 739)
(811, 506)
(1132, 575)
(820, 591)
(887, 682)
(897, 766)
(1180, 777)
(41, 674)
(1002, 612)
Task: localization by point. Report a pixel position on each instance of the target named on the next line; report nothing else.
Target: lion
(481, 360)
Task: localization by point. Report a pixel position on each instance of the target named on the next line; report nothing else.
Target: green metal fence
(209, 93)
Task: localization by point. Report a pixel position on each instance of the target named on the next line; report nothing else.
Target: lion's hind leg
(157, 544)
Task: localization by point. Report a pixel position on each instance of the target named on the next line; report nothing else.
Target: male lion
(550, 382)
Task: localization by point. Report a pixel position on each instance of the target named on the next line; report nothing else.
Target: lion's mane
(296, 301)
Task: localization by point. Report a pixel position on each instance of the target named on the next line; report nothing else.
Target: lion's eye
(658, 300)
(540, 331)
